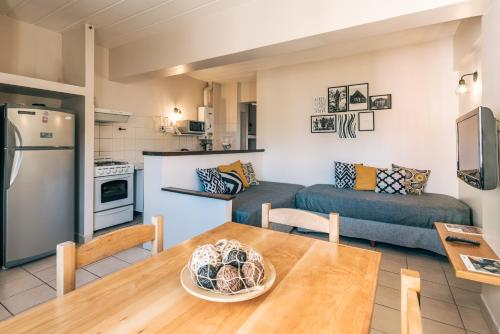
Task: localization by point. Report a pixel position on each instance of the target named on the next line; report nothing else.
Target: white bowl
(195, 290)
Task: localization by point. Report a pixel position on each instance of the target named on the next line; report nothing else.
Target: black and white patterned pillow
(233, 182)
(211, 180)
(345, 175)
(391, 181)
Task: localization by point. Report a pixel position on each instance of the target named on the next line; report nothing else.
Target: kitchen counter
(180, 153)
(187, 215)
(138, 166)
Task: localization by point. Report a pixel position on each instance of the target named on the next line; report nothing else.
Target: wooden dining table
(320, 287)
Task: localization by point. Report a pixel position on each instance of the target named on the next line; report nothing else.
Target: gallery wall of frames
(347, 109)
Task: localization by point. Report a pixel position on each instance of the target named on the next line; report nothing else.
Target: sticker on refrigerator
(45, 117)
(46, 135)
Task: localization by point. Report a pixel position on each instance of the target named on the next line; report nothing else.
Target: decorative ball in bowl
(227, 271)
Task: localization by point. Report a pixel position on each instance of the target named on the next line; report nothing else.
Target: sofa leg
(373, 243)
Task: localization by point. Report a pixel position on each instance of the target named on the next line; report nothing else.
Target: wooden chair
(302, 219)
(70, 257)
(411, 316)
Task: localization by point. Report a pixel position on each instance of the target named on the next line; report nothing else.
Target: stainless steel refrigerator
(37, 183)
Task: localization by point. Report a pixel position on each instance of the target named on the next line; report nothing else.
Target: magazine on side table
(481, 265)
(464, 229)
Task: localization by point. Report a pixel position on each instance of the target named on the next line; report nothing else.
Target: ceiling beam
(263, 28)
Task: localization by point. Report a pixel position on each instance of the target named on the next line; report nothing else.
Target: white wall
(418, 132)
(146, 99)
(476, 48)
(490, 56)
(248, 91)
(30, 50)
(467, 59)
(227, 118)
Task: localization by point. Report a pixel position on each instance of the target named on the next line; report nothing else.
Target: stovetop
(110, 167)
(101, 163)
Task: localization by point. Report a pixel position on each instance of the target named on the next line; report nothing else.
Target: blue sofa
(396, 219)
(247, 206)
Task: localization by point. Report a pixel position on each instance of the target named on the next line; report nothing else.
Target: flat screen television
(477, 148)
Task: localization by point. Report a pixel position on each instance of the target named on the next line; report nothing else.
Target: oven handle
(114, 177)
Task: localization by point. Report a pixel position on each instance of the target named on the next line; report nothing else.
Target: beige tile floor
(449, 304)
(24, 287)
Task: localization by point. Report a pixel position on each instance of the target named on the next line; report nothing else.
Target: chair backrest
(70, 257)
(302, 219)
(411, 316)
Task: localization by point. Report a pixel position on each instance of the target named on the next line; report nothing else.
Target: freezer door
(40, 205)
(40, 128)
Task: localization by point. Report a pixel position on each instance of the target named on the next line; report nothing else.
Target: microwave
(191, 127)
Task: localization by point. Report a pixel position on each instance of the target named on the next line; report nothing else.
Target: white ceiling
(116, 21)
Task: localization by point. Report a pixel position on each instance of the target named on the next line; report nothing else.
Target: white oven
(113, 194)
(113, 191)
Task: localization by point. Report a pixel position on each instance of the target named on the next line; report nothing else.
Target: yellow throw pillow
(235, 167)
(366, 178)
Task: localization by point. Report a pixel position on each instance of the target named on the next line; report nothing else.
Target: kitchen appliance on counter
(206, 114)
(37, 181)
(113, 193)
(188, 127)
(207, 144)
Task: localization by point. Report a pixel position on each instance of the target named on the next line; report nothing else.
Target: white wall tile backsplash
(127, 141)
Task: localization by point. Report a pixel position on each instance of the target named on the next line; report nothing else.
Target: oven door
(113, 191)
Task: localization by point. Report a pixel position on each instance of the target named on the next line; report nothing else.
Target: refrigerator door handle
(19, 139)
(18, 156)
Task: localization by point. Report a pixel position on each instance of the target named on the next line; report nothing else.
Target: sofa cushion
(420, 211)
(235, 167)
(250, 174)
(366, 178)
(415, 179)
(345, 175)
(234, 185)
(391, 182)
(211, 180)
(247, 206)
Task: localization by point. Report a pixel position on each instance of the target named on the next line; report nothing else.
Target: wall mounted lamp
(177, 115)
(462, 86)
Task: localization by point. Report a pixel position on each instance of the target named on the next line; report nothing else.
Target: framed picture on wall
(358, 97)
(347, 125)
(337, 99)
(323, 124)
(366, 121)
(378, 102)
(320, 105)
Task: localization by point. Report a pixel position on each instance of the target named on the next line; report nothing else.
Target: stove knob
(107, 171)
(99, 172)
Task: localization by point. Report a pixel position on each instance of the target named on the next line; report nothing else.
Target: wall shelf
(188, 134)
(19, 84)
(455, 249)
